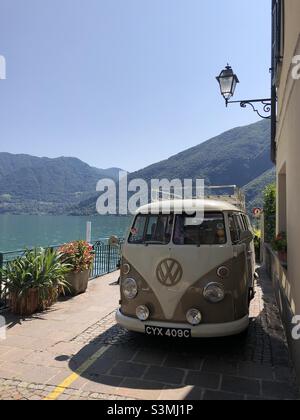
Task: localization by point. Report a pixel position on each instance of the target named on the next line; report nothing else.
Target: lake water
(19, 232)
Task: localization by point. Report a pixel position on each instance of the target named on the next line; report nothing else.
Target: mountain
(30, 184)
(254, 189)
(235, 157)
(240, 156)
(66, 185)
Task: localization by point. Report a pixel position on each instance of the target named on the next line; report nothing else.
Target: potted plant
(34, 280)
(280, 245)
(79, 256)
(257, 244)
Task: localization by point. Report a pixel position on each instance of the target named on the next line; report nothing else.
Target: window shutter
(277, 37)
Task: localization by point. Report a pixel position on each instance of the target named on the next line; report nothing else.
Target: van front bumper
(200, 331)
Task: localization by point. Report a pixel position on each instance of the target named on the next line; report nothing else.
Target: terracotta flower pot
(26, 305)
(78, 282)
(52, 298)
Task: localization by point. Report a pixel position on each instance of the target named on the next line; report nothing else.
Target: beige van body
(193, 281)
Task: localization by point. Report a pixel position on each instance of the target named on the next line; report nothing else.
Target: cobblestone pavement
(23, 391)
(255, 365)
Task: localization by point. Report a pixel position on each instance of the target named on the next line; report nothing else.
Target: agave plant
(42, 270)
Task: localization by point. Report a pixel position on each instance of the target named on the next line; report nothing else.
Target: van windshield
(152, 229)
(190, 231)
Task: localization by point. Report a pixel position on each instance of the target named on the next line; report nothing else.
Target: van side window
(154, 229)
(250, 227)
(234, 232)
(137, 232)
(190, 230)
(239, 223)
(159, 229)
(244, 222)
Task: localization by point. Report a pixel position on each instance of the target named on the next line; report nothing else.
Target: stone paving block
(255, 370)
(222, 396)
(256, 398)
(165, 375)
(179, 393)
(240, 385)
(46, 359)
(203, 379)
(4, 350)
(150, 356)
(17, 341)
(65, 348)
(59, 377)
(42, 345)
(137, 388)
(122, 353)
(18, 355)
(128, 370)
(63, 397)
(280, 390)
(10, 370)
(37, 374)
(100, 366)
(225, 367)
(183, 361)
(105, 384)
(284, 374)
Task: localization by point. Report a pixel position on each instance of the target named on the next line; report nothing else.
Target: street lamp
(228, 81)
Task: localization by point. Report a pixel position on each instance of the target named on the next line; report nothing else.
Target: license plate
(167, 332)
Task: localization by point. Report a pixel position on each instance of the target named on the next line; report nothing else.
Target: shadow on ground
(233, 365)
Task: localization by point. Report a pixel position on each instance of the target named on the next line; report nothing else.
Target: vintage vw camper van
(183, 279)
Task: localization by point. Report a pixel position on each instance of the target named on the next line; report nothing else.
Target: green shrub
(40, 269)
(270, 212)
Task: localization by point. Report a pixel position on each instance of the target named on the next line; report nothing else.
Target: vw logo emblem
(169, 272)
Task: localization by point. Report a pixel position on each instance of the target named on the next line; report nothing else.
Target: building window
(277, 38)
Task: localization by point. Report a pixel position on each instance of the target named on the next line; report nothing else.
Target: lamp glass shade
(227, 81)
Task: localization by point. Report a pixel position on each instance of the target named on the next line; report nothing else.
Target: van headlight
(214, 292)
(142, 312)
(194, 317)
(130, 288)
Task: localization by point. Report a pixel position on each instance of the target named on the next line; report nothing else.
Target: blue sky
(126, 83)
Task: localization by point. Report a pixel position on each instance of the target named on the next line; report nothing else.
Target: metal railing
(106, 261)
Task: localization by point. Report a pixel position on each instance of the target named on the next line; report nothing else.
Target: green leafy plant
(79, 255)
(280, 242)
(270, 212)
(257, 243)
(40, 269)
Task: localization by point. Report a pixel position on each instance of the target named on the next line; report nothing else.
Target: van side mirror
(246, 234)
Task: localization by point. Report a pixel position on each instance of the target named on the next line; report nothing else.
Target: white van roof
(189, 205)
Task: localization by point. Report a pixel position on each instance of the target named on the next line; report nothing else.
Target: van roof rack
(220, 192)
(229, 193)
